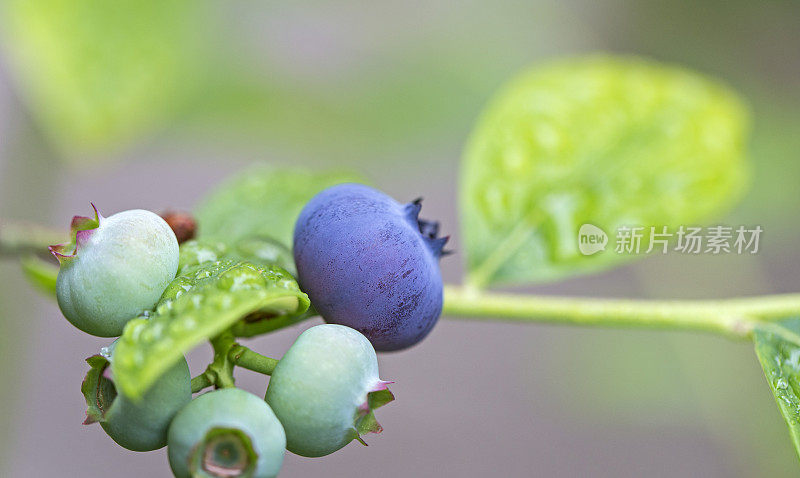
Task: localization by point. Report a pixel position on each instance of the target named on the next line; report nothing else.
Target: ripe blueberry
(115, 268)
(368, 262)
(139, 425)
(226, 433)
(325, 388)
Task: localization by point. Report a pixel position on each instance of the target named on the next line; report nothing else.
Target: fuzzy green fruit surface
(322, 390)
(138, 425)
(117, 268)
(226, 433)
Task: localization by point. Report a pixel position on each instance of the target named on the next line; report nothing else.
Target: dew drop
(226, 282)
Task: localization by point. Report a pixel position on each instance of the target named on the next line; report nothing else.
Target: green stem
(222, 367)
(227, 354)
(201, 381)
(243, 357)
(19, 239)
(731, 317)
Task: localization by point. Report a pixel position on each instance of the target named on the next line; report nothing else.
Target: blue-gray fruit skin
(229, 411)
(138, 425)
(368, 262)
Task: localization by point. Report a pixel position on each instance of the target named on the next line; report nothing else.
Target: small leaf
(778, 349)
(42, 275)
(204, 301)
(604, 141)
(257, 250)
(262, 201)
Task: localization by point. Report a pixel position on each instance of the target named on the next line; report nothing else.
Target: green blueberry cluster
(321, 396)
(125, 276)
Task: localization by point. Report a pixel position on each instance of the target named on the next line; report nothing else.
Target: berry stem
(227, 354)
(222, 367)
(201, 381)
(246, 358)
(734, 318)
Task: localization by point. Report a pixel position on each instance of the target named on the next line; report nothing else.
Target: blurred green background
(150, 103)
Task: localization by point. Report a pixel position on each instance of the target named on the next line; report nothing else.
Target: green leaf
(96, 74)
(200, 251)
(259, 250)
(605, 141)
(202, 302)
(264, 250)
(262, 201)
(42, 275)
(778, 349)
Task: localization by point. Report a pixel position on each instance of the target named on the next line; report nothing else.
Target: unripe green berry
(226, 433)
(138, 425)
(116, 268)
(325, 388)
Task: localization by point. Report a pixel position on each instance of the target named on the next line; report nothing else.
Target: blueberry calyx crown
(429, 230)
(365, 421)
(81, 229)
(224, 452)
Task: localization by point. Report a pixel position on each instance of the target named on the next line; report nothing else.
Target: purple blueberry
(368, 262)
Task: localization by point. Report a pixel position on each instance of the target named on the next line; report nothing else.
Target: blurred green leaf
(42, 275)
(601, 140)
(199, 304)
(778, 350)
(262, 201)
(98, 74)
(405, 100)
(260, 250)
(264, 250)
(200, 251)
